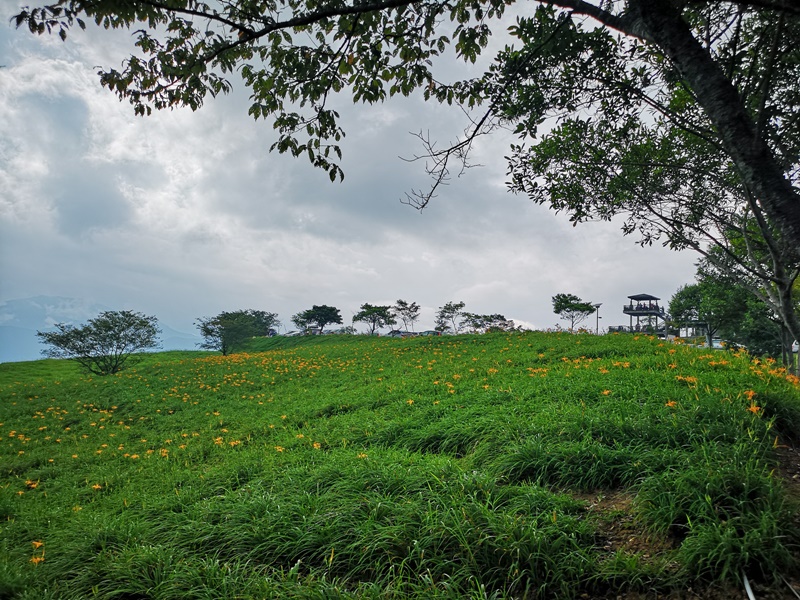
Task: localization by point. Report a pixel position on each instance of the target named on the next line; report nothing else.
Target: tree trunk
(762, 174)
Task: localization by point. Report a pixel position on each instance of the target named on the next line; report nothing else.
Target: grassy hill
(496, 466)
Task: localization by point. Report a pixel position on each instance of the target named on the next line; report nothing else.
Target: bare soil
(619, 531)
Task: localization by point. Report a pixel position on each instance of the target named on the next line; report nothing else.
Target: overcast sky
(184, 214)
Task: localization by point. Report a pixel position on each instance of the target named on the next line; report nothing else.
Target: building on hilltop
(650, 317)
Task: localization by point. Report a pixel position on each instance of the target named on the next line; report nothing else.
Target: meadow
(525, 465)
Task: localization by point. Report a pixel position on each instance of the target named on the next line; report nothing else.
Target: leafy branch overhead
(725, 71)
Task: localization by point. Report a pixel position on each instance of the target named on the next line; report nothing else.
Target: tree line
(111, 341)
(678, 117)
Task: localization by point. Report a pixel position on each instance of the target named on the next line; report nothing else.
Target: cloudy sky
(184, 214)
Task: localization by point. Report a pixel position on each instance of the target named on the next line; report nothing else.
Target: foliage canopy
(104, 345)
(318, 316)
(450, 317)
(229, 330)
(408, 312)
(726, 73)
(572, 308)
(375, 317)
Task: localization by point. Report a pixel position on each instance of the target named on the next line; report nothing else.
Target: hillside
(497, 466)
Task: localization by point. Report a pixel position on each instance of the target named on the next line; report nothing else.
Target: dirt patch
(619, 531)
(617, 528)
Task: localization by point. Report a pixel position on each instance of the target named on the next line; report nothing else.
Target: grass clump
(352, 467)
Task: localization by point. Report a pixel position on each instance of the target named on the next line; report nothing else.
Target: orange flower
(37, 559)
(606, 392)
(671, 403)
(750, 394)
(754, 409)
(37, 544)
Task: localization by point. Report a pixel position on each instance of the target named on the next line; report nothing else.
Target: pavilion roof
(643, 297)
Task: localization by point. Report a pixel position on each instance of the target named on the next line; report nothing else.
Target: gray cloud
(186, 214)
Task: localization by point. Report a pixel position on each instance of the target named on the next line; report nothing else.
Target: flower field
(525, 465)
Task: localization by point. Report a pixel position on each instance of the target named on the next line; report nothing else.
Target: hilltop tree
(571, 308)
(106, 344)
(228, 331)
(375, 317)
(487, 323)
(726, 71)
(449, 317)
(317, 316)
(408, 313)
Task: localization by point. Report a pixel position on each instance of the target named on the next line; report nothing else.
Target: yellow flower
(97, 486)
(279, 448)
(409, 402)
(361, 455)
(317, 445)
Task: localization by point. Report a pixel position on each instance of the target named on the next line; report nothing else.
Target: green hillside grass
(497, 466)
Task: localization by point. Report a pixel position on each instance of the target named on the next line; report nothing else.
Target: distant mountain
(20, 319)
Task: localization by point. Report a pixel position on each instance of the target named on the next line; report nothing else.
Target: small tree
(318, 316)
(571, 308)
(228, 330)
(448, 317)
(408, 313)
(487, 323)
(106, 344)
(375, 317)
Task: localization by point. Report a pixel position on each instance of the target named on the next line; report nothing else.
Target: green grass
(356, 467)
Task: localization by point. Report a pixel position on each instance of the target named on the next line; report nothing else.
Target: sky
(186, 214)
